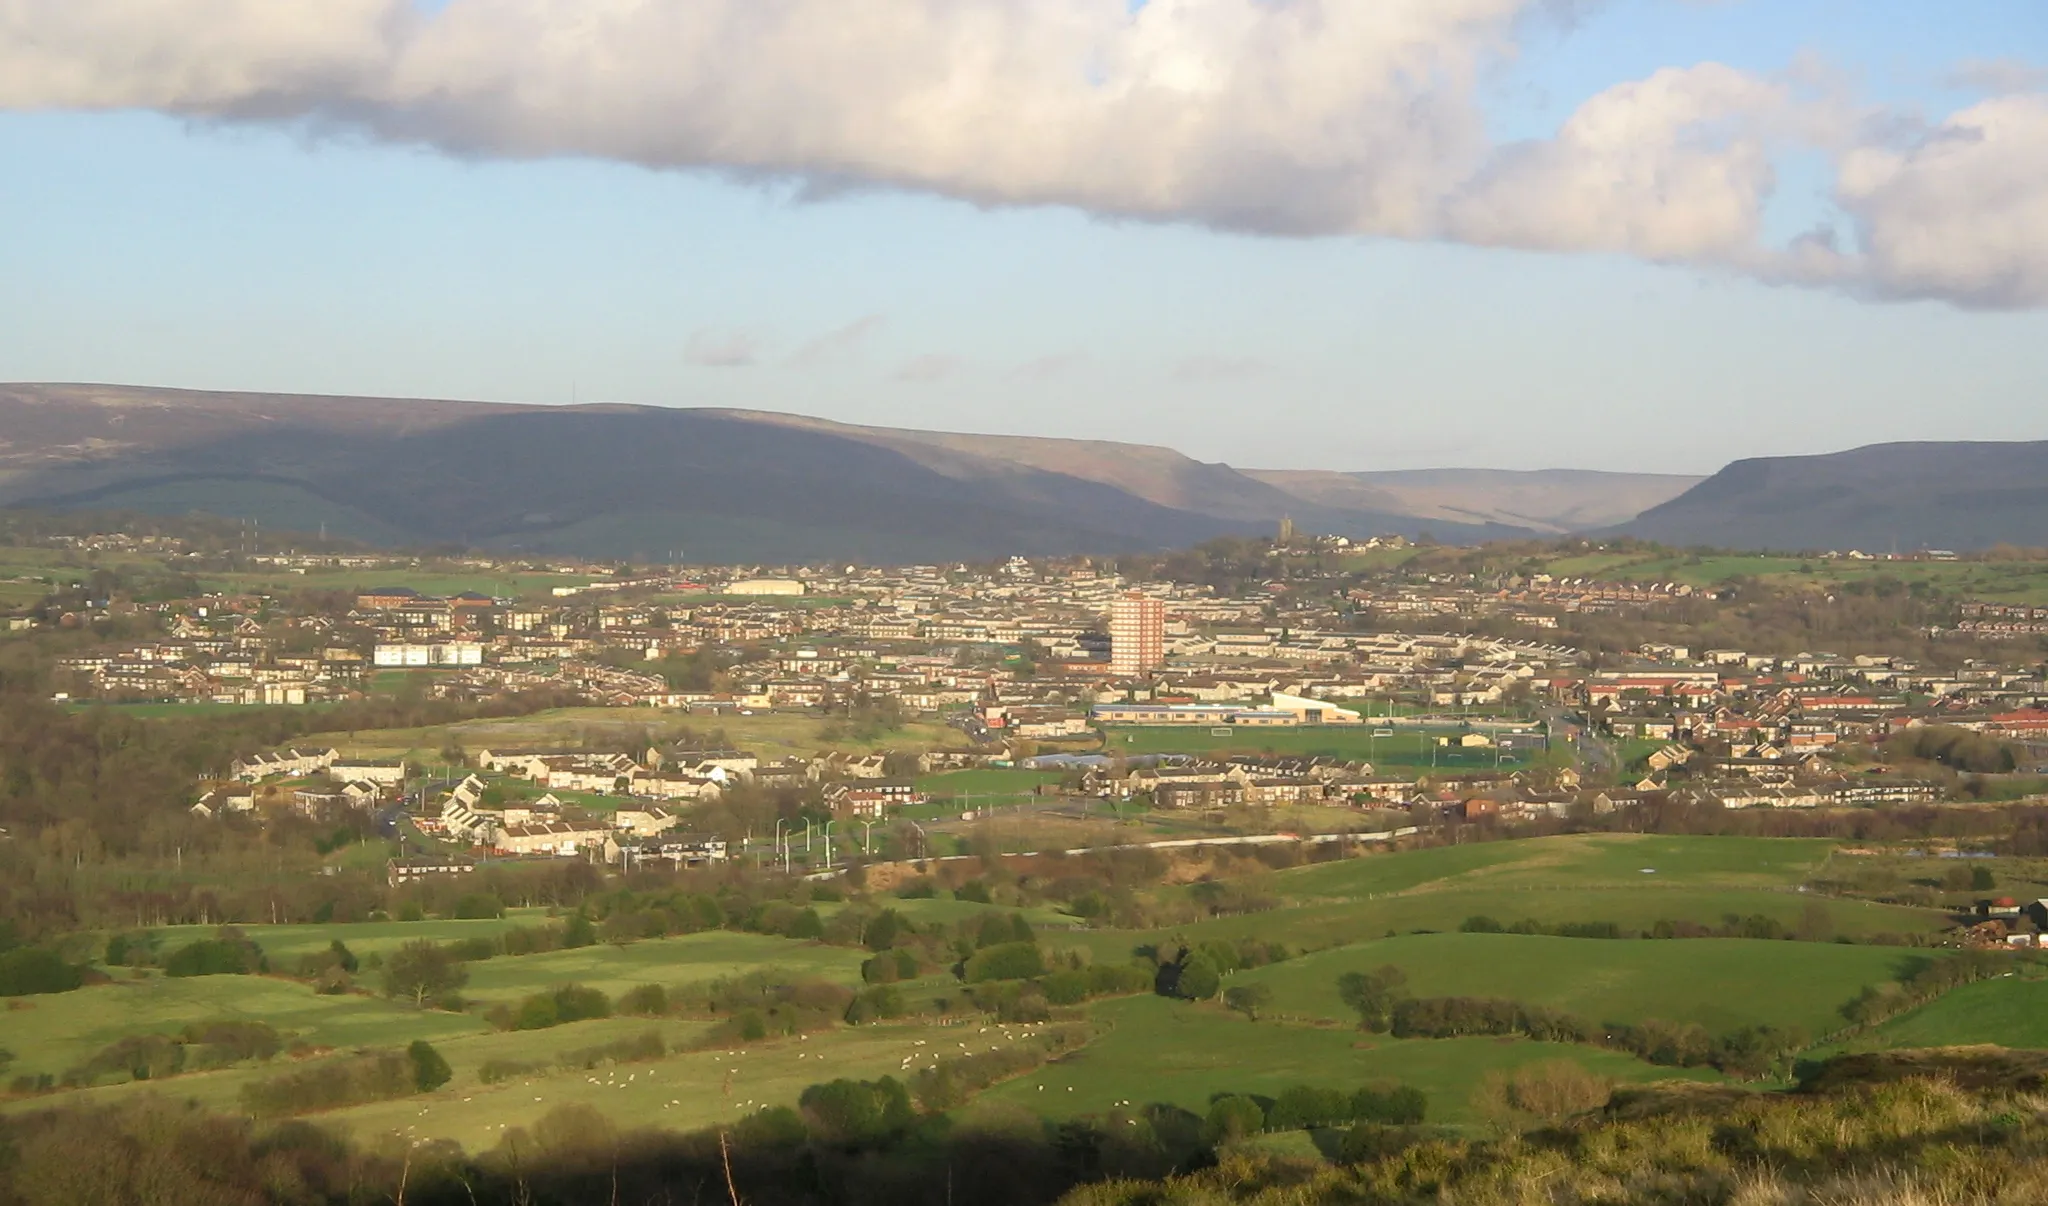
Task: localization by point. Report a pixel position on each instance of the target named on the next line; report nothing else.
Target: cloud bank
(1287, 117)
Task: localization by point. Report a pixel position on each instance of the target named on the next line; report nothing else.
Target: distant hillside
(635, 482)
(1960, 496)
(1547, 500)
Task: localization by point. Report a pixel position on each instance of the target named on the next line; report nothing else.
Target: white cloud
(837, 344)
(1300, 117)
(1999, 77)
(1961, 213)
(1217, 370)
(926, 369)
(716, 349)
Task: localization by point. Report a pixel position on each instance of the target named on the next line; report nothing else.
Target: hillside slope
(629, 481)
(1543, 500)
(1880, 498)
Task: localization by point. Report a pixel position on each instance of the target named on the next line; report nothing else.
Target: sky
(1650, 235)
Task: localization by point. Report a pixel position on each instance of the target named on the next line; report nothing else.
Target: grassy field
(1577, 878)
(57, 1032)
(2008, 1012)
(426, 582)
(2005, 581)
(771, 735)
(669, 961)
(1722, 984)
(1171, 1052)
(996, 782)
(1409, 748)
(682, 1092)
(1576, 862)
(285, 943)
(158, 711)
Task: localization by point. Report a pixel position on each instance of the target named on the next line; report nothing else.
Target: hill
(1962, 496)
(632, 481)
(1544, 500)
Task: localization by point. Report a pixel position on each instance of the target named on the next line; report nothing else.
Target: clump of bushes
(1302, 1107)
(356, 1080)
(228, 953)
(569, 1003)
(30, 970)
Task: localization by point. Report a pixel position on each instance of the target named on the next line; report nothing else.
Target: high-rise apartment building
(1137, 635)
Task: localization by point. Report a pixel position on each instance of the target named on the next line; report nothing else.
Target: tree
(1232, 1118)
(882, 930)
(1981, 879)
(854, 1112)
(1010, 961)
(1373, 995)
(1248, 999)
(422, 969)
(1199, 979)
(429, 1070)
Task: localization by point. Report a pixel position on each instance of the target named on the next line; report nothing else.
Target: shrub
(647, 1000)
(224, 956)
(429, 1070)
(1010, 961)
(31, 970)
(1248, 999)
(1199, 979)
(1551, 1091)
(1373, 995)
(879, 1002)
(1300, 1107)
(495, 1071)
(575, 1003)
(853, 1113)
(367, 1078)
(890, 966)
(479, 906)
(1232, 1118)
(1393, 1105)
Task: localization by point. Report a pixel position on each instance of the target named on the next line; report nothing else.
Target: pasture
(771, 734)
(2008, 1012)
(1172, 1052)
(1722, 984)
(1574, 862)
(614, 969)
(54, 1033)
(684, 1091)
(283, 944)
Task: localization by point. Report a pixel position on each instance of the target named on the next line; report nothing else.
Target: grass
(1576, 862)
(683, 1092)
(1721, 984)
(2008, 1012)
(1347, 742)
(2002, 581)
(57, 1032)
(963, 783)
(1175, 1053)
(283, 944)
(670, 961)
(770, 734)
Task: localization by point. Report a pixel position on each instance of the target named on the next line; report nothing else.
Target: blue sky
(156, 243)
